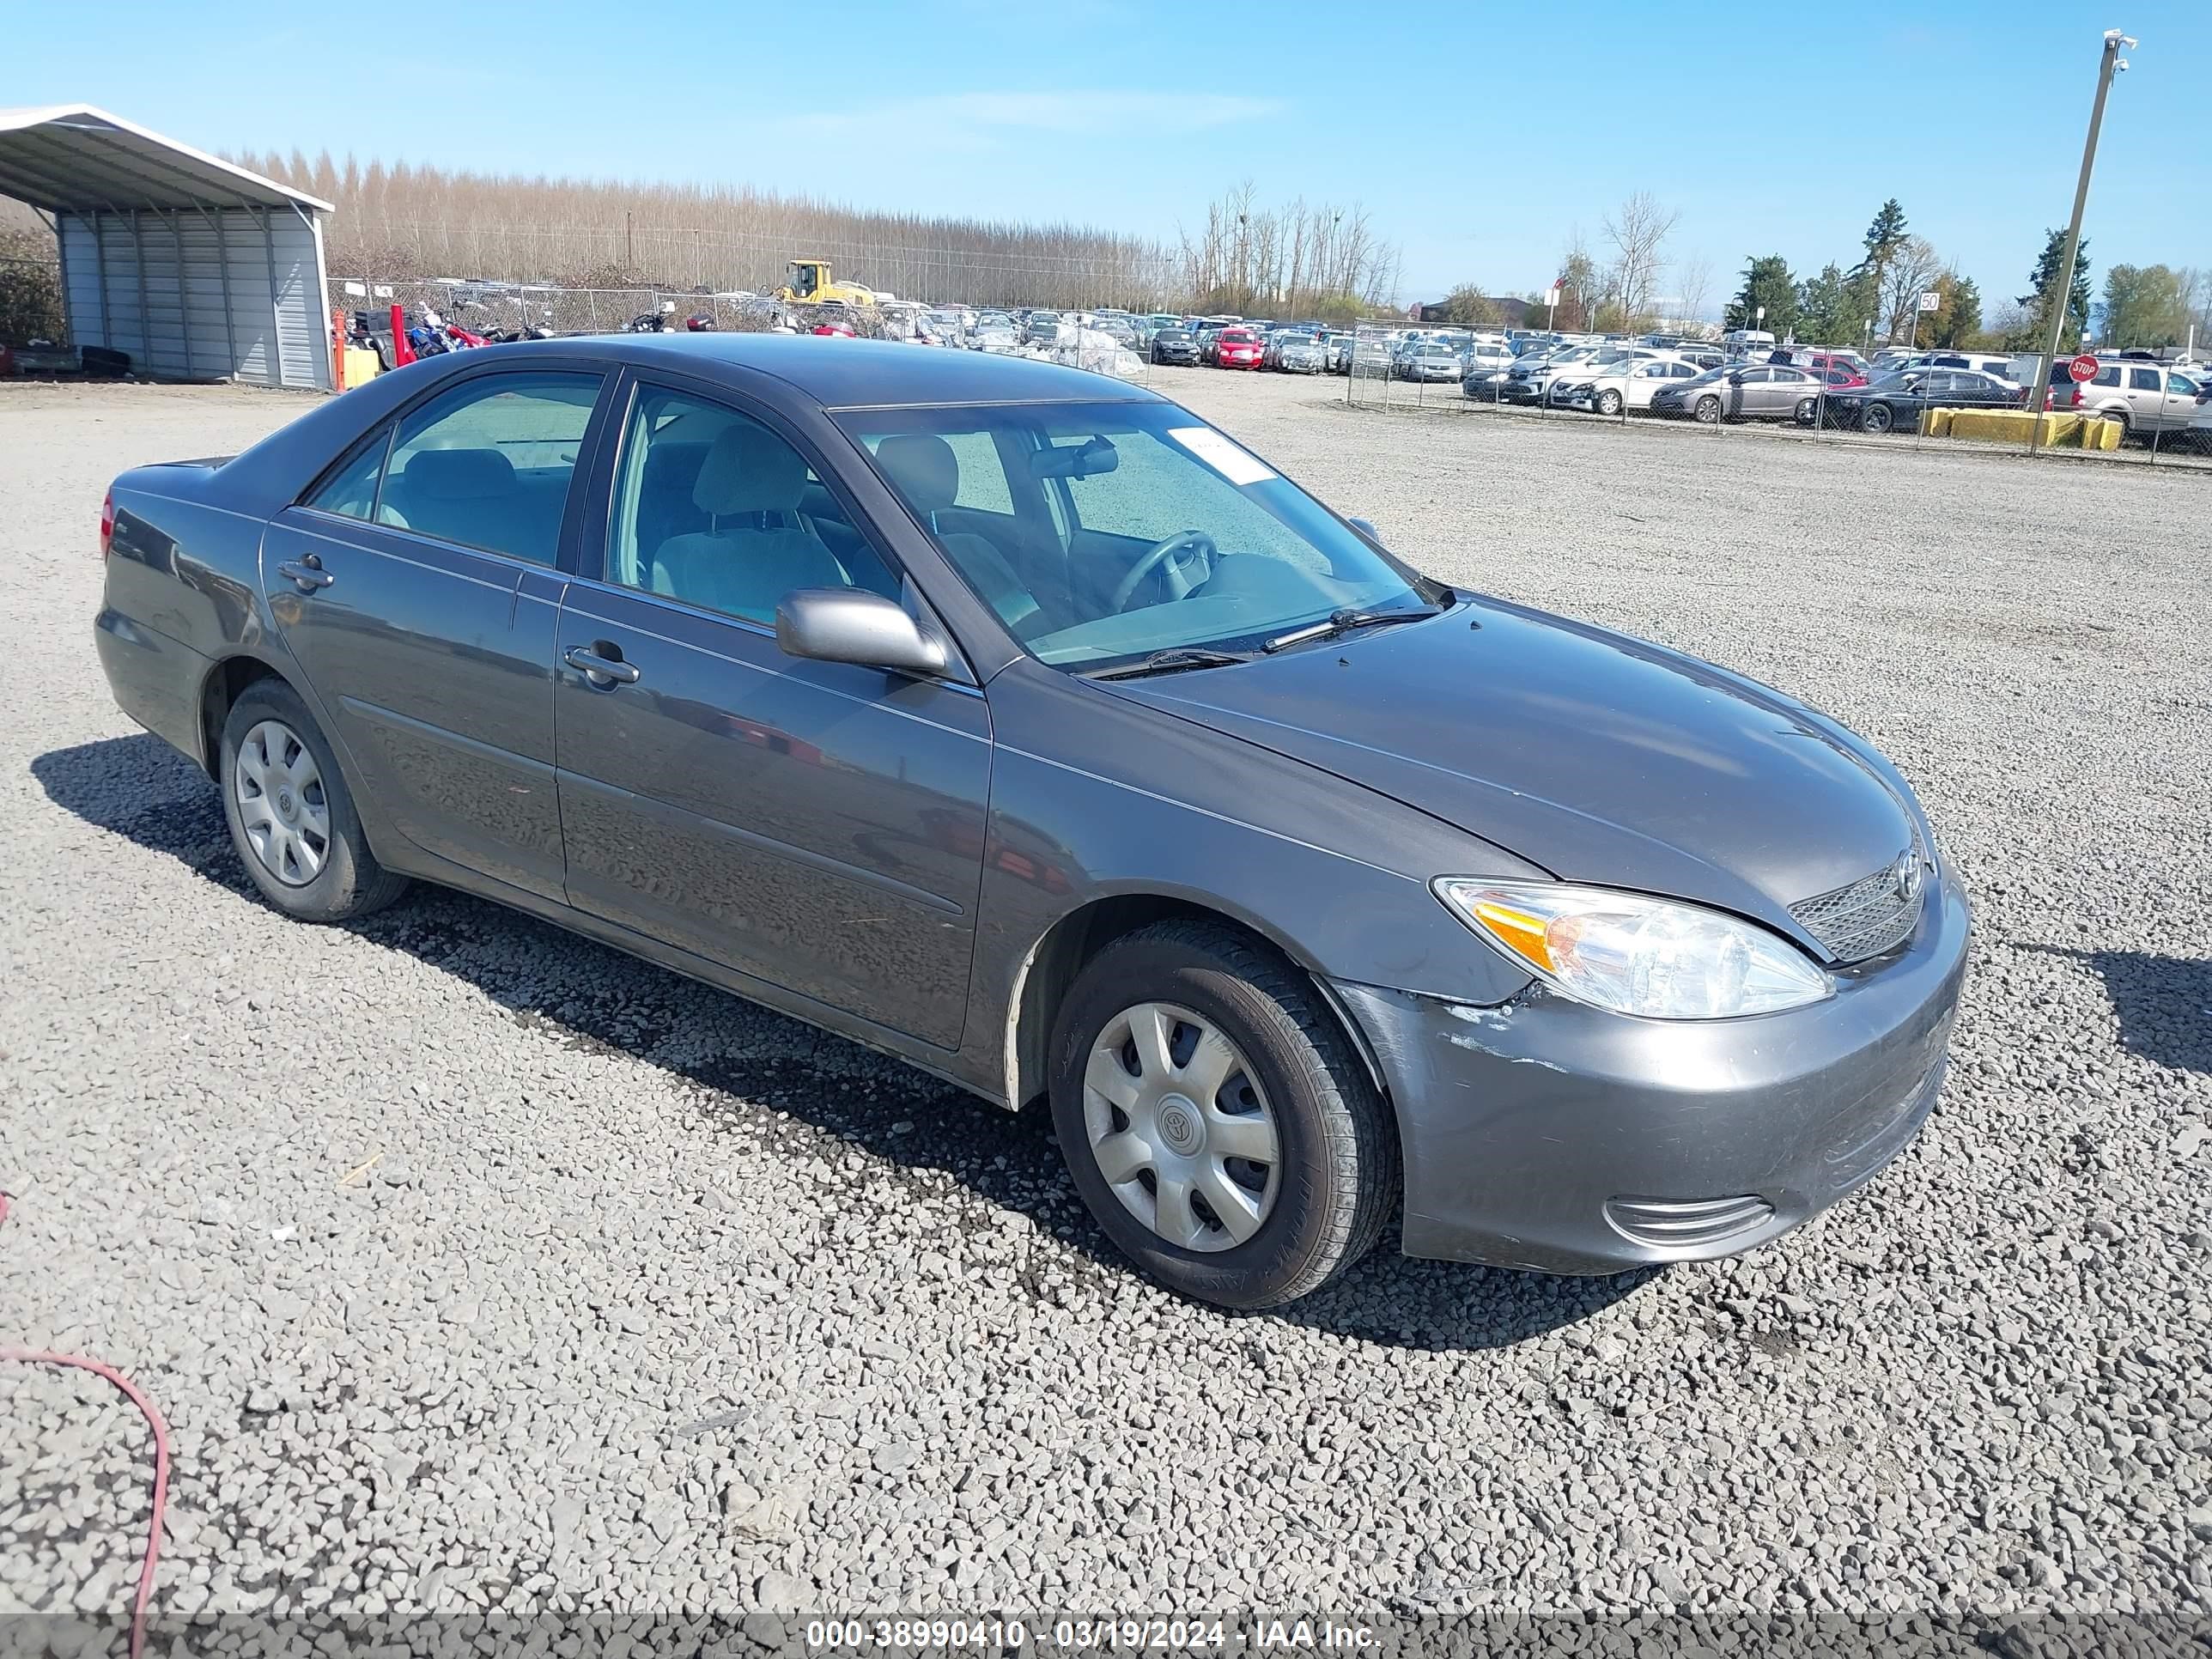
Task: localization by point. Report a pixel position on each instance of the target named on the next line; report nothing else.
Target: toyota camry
(1019, 723)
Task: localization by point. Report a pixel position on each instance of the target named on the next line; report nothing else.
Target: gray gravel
(475, 1265)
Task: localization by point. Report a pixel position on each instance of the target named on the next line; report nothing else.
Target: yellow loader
(810, 285)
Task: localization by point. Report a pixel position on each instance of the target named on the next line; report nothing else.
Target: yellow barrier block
(2057, 429)
(360, 367)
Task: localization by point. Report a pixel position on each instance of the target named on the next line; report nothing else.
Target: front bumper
(1548, 1134)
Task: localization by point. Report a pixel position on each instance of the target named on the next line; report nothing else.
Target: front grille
(1875, 914)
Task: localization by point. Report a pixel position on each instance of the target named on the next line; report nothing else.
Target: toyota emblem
(1905, 876)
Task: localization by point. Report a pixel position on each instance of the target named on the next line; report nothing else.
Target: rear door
(412, 583)
(818, 826)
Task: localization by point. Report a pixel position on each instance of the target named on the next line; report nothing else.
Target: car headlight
(1652, 957)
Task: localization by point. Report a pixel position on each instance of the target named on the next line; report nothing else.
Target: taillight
(106, 523)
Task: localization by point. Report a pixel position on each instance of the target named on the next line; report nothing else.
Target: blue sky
(1480, 137)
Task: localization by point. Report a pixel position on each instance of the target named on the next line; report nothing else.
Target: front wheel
(1708, 410)
(1215, 1118)
(291, 817)
(1877, 418)
(1608, 402)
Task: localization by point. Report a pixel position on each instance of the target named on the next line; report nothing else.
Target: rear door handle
(308, 573)
(598, 669)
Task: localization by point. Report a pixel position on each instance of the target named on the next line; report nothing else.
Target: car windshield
(1100, 533)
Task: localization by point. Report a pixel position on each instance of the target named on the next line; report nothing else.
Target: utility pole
(2062, 292)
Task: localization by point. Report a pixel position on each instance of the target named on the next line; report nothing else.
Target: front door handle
(308, 573)
(601, 671)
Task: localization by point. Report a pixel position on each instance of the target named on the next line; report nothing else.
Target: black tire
(1708, 410)
(1339, 1176)
(1877, 418)
(350, 883)
(1808, 412)
(1608, 402)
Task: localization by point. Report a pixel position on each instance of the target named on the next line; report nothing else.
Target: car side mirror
(1366, 527)
(846, 624)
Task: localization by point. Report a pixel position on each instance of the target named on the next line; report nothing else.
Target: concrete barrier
(2060, 429)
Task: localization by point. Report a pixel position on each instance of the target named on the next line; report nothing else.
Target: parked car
(1298, 353)
(1628, 384)
(1753, 391)
(1153, 830)
(1530, 377)
(2144, 398)
(1812, 406)
(1419, 357)
(1898, 400)
(1237, 348)
(1040, 328)
(1174, 344)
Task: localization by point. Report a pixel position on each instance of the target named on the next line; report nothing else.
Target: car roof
(841, 373)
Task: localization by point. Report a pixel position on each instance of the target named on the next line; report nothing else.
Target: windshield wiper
(1172, 660)
(1343, 622)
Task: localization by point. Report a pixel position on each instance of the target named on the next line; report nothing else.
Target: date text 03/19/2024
(1162, 1635)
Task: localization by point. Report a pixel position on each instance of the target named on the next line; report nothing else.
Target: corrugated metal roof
(72, 158)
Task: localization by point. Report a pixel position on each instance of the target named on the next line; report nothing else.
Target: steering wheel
(1180, 582)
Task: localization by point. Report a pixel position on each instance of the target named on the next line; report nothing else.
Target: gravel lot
(475, 1264)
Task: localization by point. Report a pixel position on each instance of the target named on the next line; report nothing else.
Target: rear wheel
(1215, 1118)
(291, 815)
(1809, 411)
(1877, 417)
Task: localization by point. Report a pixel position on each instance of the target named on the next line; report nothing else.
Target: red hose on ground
(70, 1361)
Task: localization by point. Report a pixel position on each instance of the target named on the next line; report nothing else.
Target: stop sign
(2083, 368)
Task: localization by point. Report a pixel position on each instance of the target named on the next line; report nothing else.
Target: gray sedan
(1015, 721)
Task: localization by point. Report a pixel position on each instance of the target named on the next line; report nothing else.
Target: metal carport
(199, 269)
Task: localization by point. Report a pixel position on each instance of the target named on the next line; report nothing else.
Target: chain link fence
(1109, 344)
(2135, 409)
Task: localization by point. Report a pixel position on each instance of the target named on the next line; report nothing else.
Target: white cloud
(981, 120)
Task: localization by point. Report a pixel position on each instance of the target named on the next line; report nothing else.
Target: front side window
(2181, 385)
(713, 509)
(351, 491)
(1127, 528)
(487, 465)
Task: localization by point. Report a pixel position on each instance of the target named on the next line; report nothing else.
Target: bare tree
(1694, 287)
(1637, 229)
(1913, 270)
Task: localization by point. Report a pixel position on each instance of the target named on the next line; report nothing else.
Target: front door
(396, 584)
(818, 826)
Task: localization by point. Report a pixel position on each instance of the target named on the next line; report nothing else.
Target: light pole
(2107, 66)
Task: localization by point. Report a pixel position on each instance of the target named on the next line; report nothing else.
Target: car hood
(1596, 756)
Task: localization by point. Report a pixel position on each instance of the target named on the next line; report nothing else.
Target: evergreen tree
(1766, 281)
(1827, 312)
(1884, 237)
(1959, 322)
(2043, 282)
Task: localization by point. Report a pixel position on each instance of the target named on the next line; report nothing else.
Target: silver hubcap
(1179, 1127)
(281, 803)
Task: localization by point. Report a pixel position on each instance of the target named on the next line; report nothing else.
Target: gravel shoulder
(476, 1265)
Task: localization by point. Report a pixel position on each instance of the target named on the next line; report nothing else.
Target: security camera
(2114, 41)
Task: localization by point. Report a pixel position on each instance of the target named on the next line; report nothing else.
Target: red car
(1238, 348)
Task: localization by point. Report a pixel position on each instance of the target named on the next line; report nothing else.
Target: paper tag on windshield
(1217, 453)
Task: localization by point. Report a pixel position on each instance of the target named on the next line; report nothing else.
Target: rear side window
(2143, 380)
(2108, 375)
(487, 466)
